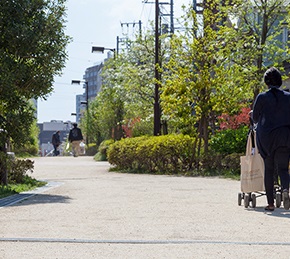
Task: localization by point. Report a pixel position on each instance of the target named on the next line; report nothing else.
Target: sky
(93, 23)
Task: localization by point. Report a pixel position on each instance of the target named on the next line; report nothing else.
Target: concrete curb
(13, 199)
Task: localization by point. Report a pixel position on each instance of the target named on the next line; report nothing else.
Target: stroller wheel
(254, 200)
(240, 197)
(278, 199)
(247, 200)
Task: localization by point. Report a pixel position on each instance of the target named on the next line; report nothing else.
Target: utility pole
(171, 18)
(125, 40)
(157, 108)
(133, 24)
(157, 112)
(120, 40)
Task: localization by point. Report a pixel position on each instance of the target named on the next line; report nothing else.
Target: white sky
(93, 23)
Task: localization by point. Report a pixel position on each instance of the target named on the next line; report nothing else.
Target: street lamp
(102, 49)
(78, 82)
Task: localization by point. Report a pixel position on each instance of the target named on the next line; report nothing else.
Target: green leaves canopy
(32, 52)
(32, 46)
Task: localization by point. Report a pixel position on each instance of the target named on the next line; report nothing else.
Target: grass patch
(28, 184)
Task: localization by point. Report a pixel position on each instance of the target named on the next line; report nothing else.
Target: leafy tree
(216, 65)
(90, 123)
(127, 91)
(263, 23)
(32, 52)
(201, 80)
(139, 79)
(30, 144)
(109, 114)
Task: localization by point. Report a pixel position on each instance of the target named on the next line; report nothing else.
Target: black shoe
(269, 208)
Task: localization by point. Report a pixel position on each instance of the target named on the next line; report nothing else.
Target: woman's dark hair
(272, 77)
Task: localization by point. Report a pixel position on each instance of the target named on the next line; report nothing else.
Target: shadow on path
(26, 199)
(278, 212)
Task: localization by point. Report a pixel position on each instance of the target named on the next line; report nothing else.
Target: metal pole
(87, 100)
(157, 113)
(140, 28)
(171, 17)
(117, 45)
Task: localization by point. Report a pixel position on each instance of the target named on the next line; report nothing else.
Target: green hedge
(163, 154)
(102, 150)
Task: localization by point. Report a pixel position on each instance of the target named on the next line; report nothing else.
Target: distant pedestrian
(56, 142)
(75, 137)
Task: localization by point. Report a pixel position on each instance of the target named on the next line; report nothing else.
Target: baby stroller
(252, 176)
(250, 198)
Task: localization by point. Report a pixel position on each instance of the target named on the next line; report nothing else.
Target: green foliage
(201, 81)
(128, 90)
(91, 123)
(29, 144)
(212, 67)
(109, 112)
(124, 152)
(32, 46)
(3, 166)
(143, 127)
(260, 29)
(230, 141)
(18, 122)
(6, 190)
(17, 170)
(32, 52)
(28, 183)
(170, 154)
(213, 164)
(102, 150)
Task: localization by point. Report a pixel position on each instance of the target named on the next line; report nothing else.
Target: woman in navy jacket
(271, 112)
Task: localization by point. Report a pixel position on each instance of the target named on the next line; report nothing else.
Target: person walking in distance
(56, 142)
(75, 137)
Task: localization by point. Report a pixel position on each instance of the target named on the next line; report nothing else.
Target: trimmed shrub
(102, 150)
(123, 153)
(218, 163)
(162, 154)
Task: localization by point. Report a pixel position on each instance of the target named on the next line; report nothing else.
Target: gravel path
(88, 212)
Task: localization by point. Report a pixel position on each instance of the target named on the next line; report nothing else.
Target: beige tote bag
(252, 169)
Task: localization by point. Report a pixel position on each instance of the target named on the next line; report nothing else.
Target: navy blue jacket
(75, 134)
(272, 113)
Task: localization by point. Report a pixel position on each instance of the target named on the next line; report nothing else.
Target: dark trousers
(278, 163)
(55, 151)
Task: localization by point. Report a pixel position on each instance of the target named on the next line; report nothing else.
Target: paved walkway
(88, 212)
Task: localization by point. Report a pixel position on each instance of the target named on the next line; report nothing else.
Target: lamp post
(78, 82)
(102, 49)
